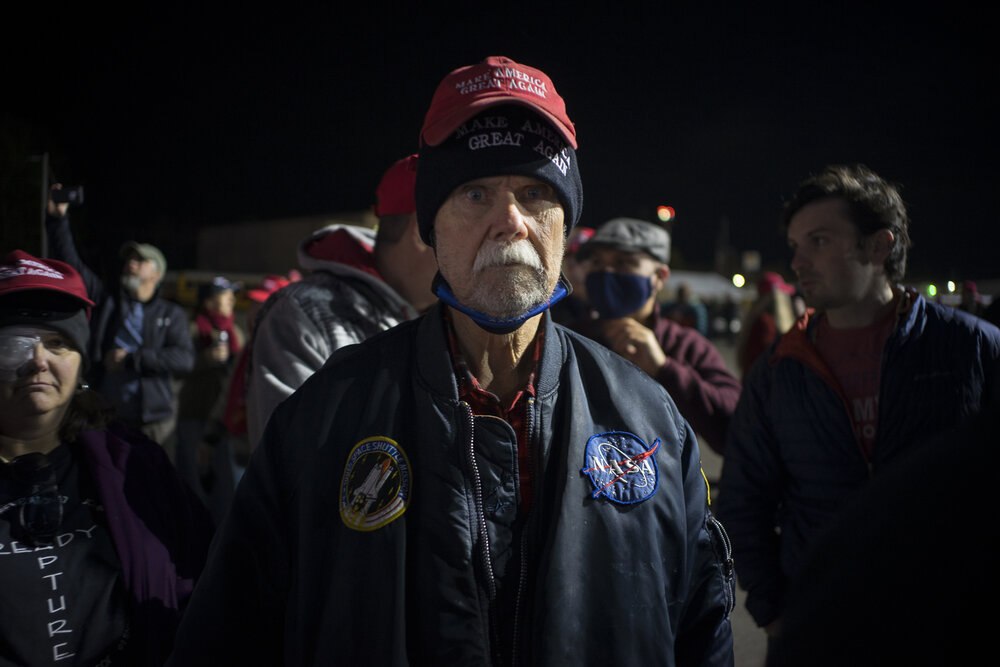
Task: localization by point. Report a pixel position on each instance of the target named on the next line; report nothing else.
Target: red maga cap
(497, 80)
(268, 286)
(21, 271)
(771, 281)
(394, 194)
(577, 238)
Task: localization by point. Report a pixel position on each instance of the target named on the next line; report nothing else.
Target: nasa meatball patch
(375, 489)
(621, 467)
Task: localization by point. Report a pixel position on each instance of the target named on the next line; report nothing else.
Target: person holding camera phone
(218, 341)
(139, 341)
(628, 267)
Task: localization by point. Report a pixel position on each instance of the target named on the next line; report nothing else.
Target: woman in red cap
(99, 539)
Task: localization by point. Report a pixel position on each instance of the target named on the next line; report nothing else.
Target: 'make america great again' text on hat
(467, 91)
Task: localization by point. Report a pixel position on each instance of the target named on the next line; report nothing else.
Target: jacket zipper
(484, 536)
(523, 575)
(727, 561)
(812, 361)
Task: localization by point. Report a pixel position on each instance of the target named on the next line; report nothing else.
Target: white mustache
(493, 253)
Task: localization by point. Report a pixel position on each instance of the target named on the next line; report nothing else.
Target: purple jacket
(160, 530)
(696, 377)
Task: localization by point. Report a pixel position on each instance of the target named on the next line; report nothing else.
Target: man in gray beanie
(508, 491)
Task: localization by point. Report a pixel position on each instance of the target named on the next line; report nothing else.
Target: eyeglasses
(41, 513)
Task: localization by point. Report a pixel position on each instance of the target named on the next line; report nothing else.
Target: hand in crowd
(636, 343)
(114, 360)
(218, 353)
(54, 209)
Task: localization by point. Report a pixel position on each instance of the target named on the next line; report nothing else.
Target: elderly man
(480, 485)
(139, 341)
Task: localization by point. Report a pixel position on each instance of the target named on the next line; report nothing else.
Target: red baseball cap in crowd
(577, 238)
(497, 80)
(394, 194)
(268, 286)
(771, 281)
(47, 293)
(20, 272)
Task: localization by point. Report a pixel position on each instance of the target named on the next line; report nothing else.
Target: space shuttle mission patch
(621, 467)
(375, 489)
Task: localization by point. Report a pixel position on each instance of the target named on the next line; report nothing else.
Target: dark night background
(176, 118)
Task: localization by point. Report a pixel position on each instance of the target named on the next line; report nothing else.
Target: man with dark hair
(872, 205)
(361, 282)
(139, 341)
(850, 389)
(508, 491)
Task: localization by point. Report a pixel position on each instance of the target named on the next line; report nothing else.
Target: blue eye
(538, 191)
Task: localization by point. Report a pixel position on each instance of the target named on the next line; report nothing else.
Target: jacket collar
(797, 343)
(434, 360)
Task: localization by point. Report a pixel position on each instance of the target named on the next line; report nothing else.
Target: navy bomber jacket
(792, 459)
(377, 523)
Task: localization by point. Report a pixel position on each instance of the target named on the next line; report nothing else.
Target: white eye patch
(17, 347)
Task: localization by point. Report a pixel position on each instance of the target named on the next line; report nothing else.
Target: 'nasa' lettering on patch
(375, 489)
(621, 467)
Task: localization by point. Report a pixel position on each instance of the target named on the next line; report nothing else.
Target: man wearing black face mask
(628, 267)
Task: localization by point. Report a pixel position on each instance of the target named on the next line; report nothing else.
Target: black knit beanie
(504, 140)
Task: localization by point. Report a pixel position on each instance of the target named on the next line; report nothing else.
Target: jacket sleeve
(62, 248)
(704, 390)
(990, 359)
(705, 633)
(176, 354)
(749, 497)
(288, 347)
(236, 615)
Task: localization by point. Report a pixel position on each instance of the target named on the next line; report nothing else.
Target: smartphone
(68, 195)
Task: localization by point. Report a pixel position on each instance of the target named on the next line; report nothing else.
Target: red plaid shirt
(483, 402)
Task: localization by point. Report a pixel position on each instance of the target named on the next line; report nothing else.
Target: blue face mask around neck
(615, 295)
(492, 324)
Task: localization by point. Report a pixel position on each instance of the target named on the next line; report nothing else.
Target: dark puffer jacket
(166, 349)
(792, 459)
(597, 582)
(342, 301)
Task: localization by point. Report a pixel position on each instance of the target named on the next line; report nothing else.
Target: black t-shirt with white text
(62, 604)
